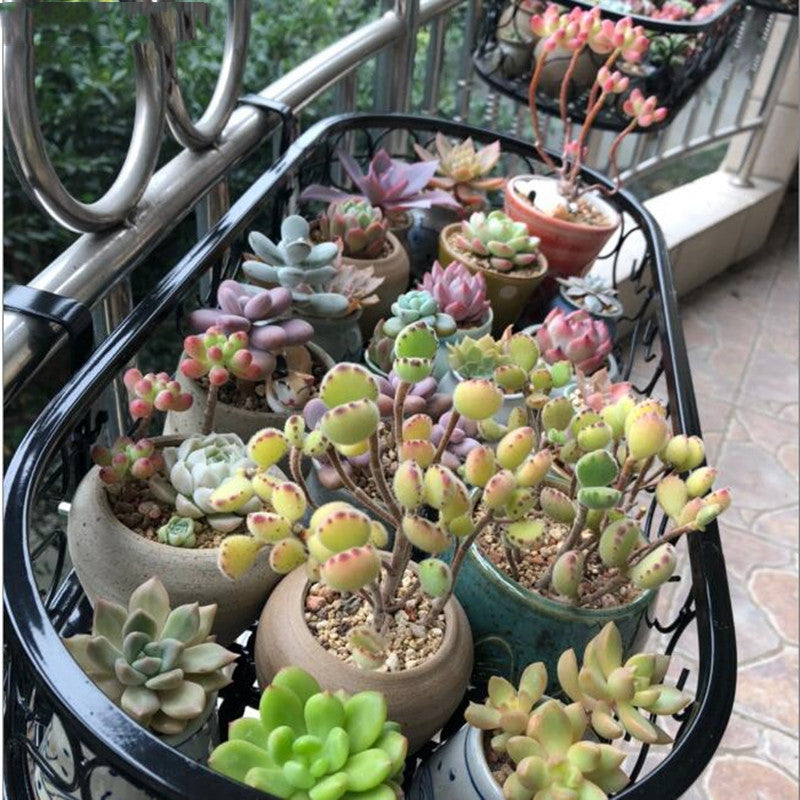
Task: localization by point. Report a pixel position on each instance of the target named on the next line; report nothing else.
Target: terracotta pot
(111, 560)
(508, 292)
(394, 269)
(228, 418)
(570, 247)
(421, 699)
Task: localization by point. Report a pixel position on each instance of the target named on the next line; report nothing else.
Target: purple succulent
(258, 312)
(461, 441)
(391, 185)
(458, 292)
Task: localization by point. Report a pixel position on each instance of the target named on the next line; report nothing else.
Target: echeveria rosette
(504, 244)
(418, 305)
(126, 458)
(310, 743)
(463, 171)
(360, 228)
(159, 665)
(576, 337)
(390, 184)
(620, 697)
(457, 292)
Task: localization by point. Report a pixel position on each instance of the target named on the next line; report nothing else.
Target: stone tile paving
(742, 336)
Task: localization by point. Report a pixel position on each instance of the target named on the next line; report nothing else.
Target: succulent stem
(448, 432)
(378, 606)
(376, 468)
(211, 407)
(295, 465)
(401, 555)
(640, 479)
(568, 544)
(625, 473)
(512, 560)
(399, 402)
(357, 492)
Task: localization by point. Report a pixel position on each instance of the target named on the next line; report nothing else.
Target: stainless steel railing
(120, 234)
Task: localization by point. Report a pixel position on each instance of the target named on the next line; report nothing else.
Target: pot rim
(553, 608)
(397, 251)
(431, 664)
(104, 507)
(566, 225)
(474, 263)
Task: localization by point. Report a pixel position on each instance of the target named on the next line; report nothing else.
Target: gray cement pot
(111, 560)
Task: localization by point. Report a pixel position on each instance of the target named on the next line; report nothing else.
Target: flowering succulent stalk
(500, 242)
(577, 32)
(153, 392)
(391, 185)
(574, 336)
(458, 293)
(307, 743)
(220, 358)
(360, 227)
(464, 171)
(159, 665)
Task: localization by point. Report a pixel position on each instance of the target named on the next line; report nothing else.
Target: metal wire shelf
(682, 55)
(42, 680)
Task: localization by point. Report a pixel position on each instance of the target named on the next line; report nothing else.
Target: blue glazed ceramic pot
(513, 627)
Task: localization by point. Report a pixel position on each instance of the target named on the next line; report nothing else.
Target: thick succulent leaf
(365, 714)
(322, 713)
(501, 692)
(108, 621)
(152, 598)
(185, 702)
(168, 726)
(248, 729)
(101, 653)
(207, 616)
(235, 758)
(336, 749)
(297, 681)
(206, 657)
(140, 620)
(670, 700)
(521, 747)
(280, 706)
(141, 703)
(127, 675)
(552, 728)
(568, 675)
(165, 681)
(212, 681)
(183, 623)
(482, 716)
(279, 744)
(133, 645)
(636, 724)
(367, 769)
(395, 745)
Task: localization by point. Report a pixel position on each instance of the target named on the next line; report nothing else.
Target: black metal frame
(684, 63)
(37, 663)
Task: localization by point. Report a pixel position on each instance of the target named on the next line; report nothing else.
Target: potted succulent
(327, 293)
(161, 666)
(515, 38)
(592, 294)
(508, 365)
(451, 299)
(585, 342)
(307, 742)
(505, 254)
(573, 221)
(578, 558)
(395, 187)
(520, 744)
(427, 506)
(145, 510)
(362, 232)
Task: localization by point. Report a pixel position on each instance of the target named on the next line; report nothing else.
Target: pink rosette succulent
(458, 292)
(576, 337)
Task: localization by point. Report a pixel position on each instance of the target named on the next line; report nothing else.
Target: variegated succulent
(498, 241)
(161, 666)
(360, 227)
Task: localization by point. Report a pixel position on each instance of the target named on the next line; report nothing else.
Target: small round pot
(514, 627)
(508, 292)
(339, 337)
(570, 247)
(510, 401)
(421, 699)
(555, 68)
(610, 318)
(422, 238)
(111, 560)
(196, 743)
(394, 269)
(228, 418)
(456, 771)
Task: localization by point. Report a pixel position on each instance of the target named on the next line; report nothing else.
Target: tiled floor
(742, 336)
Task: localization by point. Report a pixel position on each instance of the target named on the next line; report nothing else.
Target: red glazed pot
(570, 247)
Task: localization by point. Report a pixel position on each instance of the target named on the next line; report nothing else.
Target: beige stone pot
(508, 292)
(394, 269)
(421, 699)
(228, 418)
(111, 560)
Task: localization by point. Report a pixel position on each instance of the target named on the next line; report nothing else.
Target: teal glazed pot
(513, 627)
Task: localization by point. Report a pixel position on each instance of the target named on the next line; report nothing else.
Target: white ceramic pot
(196, 743)
(111, 560)
(456, 771)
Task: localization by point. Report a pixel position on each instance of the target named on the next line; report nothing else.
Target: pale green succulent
(505, 244)
(159, 665)
(195, 469)
(476, 358)
(418, 305)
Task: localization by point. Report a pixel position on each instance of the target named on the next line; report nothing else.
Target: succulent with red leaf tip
(359, 226)
(153, 392)
(577, 337)
(458, 292)
(127, 458)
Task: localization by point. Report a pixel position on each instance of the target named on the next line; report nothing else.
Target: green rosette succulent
(309, 744)
(159, 665)
(504, 244)
(415, 306)
(360, 227)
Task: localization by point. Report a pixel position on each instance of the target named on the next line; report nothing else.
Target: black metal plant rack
(682, 55)
(41, 679)
(788, 7)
